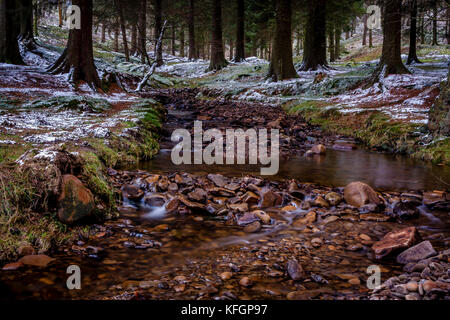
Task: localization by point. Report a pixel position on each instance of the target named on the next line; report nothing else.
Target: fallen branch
(154, 65)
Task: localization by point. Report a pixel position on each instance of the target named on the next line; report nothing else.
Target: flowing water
(201, 247)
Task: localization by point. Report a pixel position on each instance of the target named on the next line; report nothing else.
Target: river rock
(264, 217)
(172, 205)
(245, 282)
(406, 209)
(132, 192)
(218, 179)
(333, 198)
(25, 250)
(321, 202)
(319, 149)
(358, 194)
(250, 198)
(295, 270)
(433, 198)
(40, 260)
(394, 241)
(198, 194)
(270, 199)
(308, 219)
(248, 218)
(155, 200)
(12, 266)
(253, 227)
(240, 207)
(419, 252)
(75, 202)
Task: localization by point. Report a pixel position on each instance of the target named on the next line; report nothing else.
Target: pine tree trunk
(78, 58)
(172, 42)
(142, 32)
(182, 41)
(123, 30)
(315, 52)
(240, 31)
(103, 39)
(9, 31)
(133, 48)
(391, 61)
(116, 35)
(435, 18)
(337, 43)
(331, 44)
(230, 55)
(36, 19)
(365, 30)
(26, 24)
(191, 26)
(158, 28)
(60, 13)
(281, 63)
(412, 56)
(218, 60)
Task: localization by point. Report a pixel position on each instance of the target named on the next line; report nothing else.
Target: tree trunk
(60, 13)
(218, 60)
(240, 31)
(172, 42)
(36, 19)
(78, 58)
(281, 63)
(191, 25)
(158, 28)
(26, 24)
(412, 56)
(315, 52)
(142, 26)
(365, 30)
(435, 18)
(134, 45)
(391, 61)
(448, 24)
(123, 29)
(103, 39)
(182, 41)
(116, 35)
(331, 44)
(230, 56)
(9, 31)
(337, 43)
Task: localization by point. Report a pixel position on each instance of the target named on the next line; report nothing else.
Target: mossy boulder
(439, 116)
(76, 202)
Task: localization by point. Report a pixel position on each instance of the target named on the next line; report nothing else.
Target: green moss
(375, 130)
(79, 103)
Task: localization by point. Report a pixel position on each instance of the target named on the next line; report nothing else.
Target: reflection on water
(336, 168)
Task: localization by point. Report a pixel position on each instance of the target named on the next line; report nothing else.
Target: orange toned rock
(358, 194)
(75, 202)
(40, 260)
(395, 241)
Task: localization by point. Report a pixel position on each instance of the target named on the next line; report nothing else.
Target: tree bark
(142, 26)
(133, 49)
(26, 24)
(218, 60)
(435, 18)
(191, 26)
(391, 61)
(315, 52)
(412, 55)
(370, 39)
(9, 31)
(365, 30)
(331, 44)
(172, 42)
(182, 41)
(116, 34)
(78, 58)
(158, 29)
(337, 43)
(281, 63)
(123, 29)
(240, 31)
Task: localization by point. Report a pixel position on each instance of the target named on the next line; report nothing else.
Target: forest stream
(150, 253)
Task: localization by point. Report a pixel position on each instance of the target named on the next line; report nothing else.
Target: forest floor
(213, 248)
